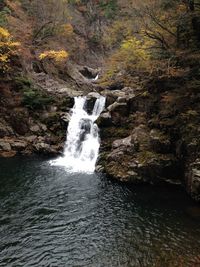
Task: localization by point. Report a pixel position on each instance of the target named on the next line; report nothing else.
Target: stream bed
(50, 217)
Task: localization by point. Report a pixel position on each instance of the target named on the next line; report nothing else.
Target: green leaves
(34, 99)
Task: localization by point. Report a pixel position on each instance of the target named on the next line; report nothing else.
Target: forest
(99, 133)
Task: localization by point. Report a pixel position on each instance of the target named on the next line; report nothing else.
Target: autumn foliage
(8, 49)
(132, 55)
(58, 56)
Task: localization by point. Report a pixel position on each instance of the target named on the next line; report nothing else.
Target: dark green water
(49, 217)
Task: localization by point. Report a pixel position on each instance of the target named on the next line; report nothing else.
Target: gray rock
(126, 142)
(66, 117)
(35, 128)
(5, 130)
(93, 95)
(120, 108)
(122, 99)
(91, 99)
(19, 145)
(43, 127)
(4, 145)
(99, 168)
(31, 138)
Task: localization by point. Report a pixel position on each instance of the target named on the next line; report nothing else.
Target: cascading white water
(82, 144)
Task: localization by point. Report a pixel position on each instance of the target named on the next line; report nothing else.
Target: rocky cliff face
(151, 134)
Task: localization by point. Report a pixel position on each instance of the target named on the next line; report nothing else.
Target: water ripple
(51, 218)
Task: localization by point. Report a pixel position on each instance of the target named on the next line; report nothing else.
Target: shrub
(58, 56)
(8, 49)
(35, 99)
(131, 56)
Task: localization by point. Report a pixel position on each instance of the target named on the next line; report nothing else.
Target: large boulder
(127, 166)
(91, 99)
(112, 96)
(118, 112)
(133, 160)
(88, 72)
(104, 120)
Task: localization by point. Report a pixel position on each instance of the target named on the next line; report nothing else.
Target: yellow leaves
(58, 56)
(8, 49)
(4, 34)
(9, 44)
(134, 50)
(4, 58)
(117, 32)
(132, 55)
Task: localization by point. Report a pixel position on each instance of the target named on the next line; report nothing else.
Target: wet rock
(104, 120)
(99, 168)
(92, 95)
(8, 154)
(47, 146)
(193, 179)
(65, 118)
(91, 99)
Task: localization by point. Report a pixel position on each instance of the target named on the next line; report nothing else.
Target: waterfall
(82, 144)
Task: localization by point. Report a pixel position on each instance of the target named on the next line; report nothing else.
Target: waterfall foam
(82, 144)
